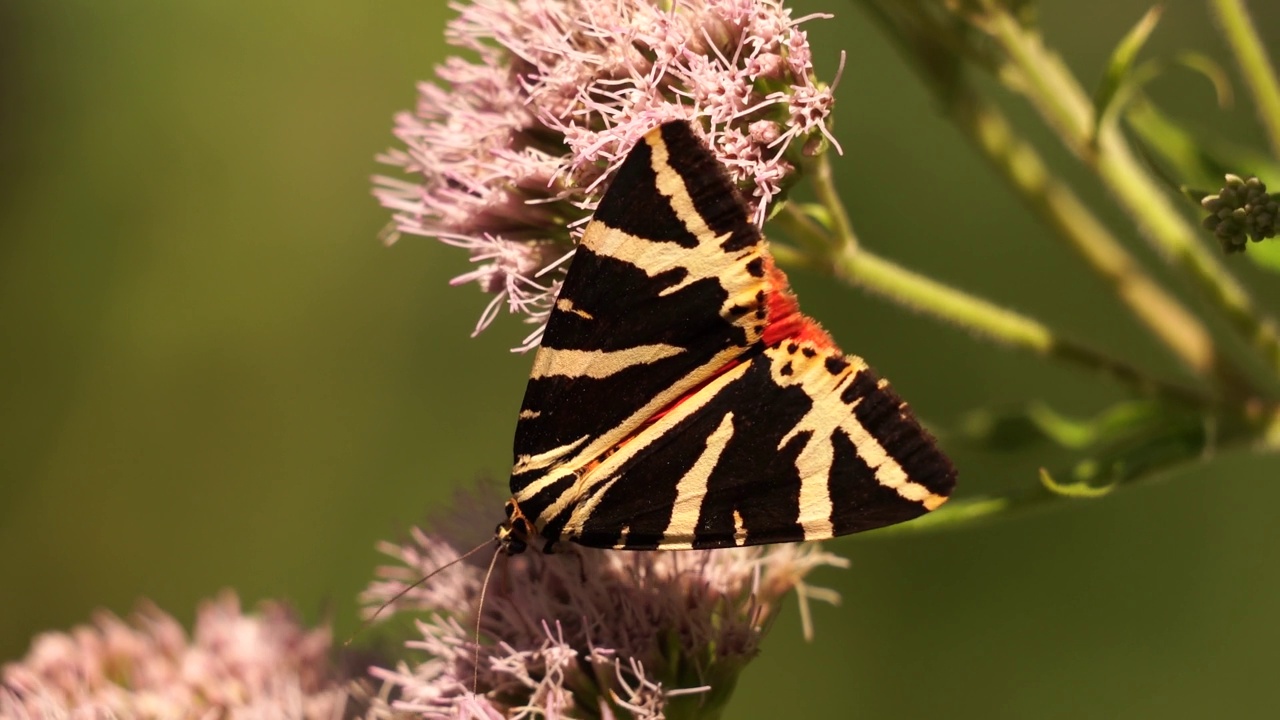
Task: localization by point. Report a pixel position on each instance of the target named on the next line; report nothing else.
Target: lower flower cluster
(584, 633)
(233, 665)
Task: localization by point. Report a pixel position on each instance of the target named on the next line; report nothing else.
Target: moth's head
(512, 534)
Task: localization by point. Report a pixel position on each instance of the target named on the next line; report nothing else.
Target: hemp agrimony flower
(264, 665)
(507, 153)
(584, 633)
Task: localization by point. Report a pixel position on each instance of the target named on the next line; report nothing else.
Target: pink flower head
(233, 666)
(584, 633)
(507, 155)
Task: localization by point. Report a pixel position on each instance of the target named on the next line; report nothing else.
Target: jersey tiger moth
(681, 400)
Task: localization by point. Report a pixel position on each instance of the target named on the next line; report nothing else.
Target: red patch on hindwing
(786, 322)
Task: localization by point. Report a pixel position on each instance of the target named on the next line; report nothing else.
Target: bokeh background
(213, 375)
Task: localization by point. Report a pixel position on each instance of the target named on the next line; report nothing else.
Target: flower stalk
(1044, 80)
(1251, 55)
(852, 262)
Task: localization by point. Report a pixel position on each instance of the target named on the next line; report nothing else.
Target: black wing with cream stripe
(666, 288)
(657, 418)
(796, 444)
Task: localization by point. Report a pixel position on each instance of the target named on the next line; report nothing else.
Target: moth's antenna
(369, 620)
(475, 668)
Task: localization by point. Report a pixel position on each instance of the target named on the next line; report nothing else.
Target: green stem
(824, 187)
(1065, 106)
(1146, 454)
(1058, 206)
(855, 265)
(1251, 56)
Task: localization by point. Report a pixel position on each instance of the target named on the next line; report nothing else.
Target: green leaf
(1001, 429)
(1011, 429)
(956, 511)
(819, 213)
(1118, 81)
(1194, 163)
(1078, 489)
(1212, 71)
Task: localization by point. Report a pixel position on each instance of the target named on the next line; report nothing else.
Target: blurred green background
(213, 374)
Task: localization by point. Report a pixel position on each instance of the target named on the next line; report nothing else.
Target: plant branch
(1064, 105)
(1171, 323)
(1251, 55)
(1021, 166)
(857, 266)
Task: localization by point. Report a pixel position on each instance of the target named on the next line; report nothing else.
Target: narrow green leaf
(1080, 489)
(819, 213)
(1193, 163)
(955, 512)
(1012, 429)
(1119, 70)
(1212, 71)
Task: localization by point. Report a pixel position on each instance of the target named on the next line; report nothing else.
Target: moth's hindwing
(799, 443)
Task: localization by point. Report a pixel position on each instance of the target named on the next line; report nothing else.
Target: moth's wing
(668, 285)
(797, 443)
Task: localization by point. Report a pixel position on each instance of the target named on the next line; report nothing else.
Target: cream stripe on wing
(692, 488)
(566, 305)
(525, 463)
(671, 184)
(829, 412)
(597, 363)
(888, 472)
(607, 469)
(657, 257)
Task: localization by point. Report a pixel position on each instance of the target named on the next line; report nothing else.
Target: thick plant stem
(857, 266)
(1251, 55)
(886, 278)
(1064, 105)
(1057, 205)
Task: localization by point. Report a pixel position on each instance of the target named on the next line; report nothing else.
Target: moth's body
(681, 400)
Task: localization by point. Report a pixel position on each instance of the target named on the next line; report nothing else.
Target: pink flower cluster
(580, 633)
(234, 666)
(586, 633)
(507, 154)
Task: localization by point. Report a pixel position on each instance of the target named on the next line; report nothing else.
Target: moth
(681, 400)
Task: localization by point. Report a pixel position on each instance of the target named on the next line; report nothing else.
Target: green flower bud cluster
(1241, 211)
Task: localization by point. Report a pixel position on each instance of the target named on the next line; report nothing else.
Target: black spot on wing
(890, 421)
(633, 204)
(714, 196)
(858, 501)
(835, 364)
